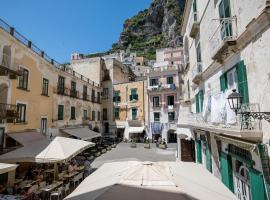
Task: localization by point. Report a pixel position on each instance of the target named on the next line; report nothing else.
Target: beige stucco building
(130, 109)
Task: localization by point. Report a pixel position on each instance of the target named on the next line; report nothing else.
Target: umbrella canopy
(83, 133)
(60, 149)
(134, 180)
(4, 168)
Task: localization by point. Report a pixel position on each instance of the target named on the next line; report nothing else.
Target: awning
(133, 130)
(26, 138)
(184, 133)
(4, 168)
(60, 149)
(83, 133)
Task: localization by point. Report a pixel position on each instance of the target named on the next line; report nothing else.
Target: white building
(226, 47)
(164, 96)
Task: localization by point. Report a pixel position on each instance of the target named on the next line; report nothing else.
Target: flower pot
(147, 146)
(133, 145)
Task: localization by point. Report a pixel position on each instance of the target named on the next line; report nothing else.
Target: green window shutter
(134, 113)
(242, 81)
(197, 103)
(208, 159)
(201, 100)
(223, 82)
(73, 116)
(60, 112)
(256, 185)
(226, 170)
(199, 151)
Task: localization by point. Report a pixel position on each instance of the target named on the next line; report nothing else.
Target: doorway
(43, 127)
(172, 136)
(187, 150)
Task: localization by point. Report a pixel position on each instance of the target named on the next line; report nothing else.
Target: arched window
(6, 61)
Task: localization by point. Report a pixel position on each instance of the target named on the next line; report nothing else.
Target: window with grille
(23, 79)
(45, 87)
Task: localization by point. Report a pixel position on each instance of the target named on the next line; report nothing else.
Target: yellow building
(129, 109)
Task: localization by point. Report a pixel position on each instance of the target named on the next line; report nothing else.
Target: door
(43, 127)
(242, 183)
(225, 19)
(187, 150)
(2, 137)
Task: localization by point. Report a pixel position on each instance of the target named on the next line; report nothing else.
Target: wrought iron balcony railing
(8, 111)
(224, 36)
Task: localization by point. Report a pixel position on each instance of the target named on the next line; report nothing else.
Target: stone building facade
(226, 47)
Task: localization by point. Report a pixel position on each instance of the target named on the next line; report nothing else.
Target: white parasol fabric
(60, 149)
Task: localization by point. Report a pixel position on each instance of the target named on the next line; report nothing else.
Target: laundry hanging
(218, 108)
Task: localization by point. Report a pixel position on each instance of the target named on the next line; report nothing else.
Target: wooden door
(187, 151)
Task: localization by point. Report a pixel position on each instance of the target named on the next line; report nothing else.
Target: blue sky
(60, 27)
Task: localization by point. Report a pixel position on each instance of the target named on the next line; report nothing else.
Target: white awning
(133, 130)
(83, 133)
(26, 138)
(4, 168)
(60, 149)
(184, 133)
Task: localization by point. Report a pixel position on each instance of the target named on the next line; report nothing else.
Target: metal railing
(8, 111)
(241, 122)
(197, 69)
(38, 51)
(226, 30)
(163, 68)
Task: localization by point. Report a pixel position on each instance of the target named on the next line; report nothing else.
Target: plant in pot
(147, 144)
(133, 144)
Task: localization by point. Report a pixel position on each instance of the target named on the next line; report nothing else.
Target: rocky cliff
(156, 27)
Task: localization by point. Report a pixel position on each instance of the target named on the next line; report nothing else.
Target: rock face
(156, 27)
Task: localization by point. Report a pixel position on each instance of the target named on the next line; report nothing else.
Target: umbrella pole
(54, 174)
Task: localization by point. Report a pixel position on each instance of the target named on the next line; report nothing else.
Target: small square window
(156, 116)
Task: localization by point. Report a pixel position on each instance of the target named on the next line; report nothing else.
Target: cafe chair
(57, 193)
(67, 189)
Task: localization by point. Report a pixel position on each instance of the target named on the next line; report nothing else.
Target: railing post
(42, 54)
(29, 44)
(11, 31)
(52, 61)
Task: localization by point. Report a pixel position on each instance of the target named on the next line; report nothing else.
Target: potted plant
(133, 144)
(147, 144)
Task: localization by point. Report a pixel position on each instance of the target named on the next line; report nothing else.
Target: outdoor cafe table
(79, 168)
(70, 175)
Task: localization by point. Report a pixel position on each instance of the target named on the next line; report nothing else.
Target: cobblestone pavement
(123, 152)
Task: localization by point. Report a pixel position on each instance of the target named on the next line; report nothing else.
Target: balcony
(95, 99)
(61, 91)
(223, 41)
(194, 26)
(85, 97)
(162, 69)
(8, 111)
(197, 73)
(6, 68)
(74, 93)
(161, 87)
(243, 127)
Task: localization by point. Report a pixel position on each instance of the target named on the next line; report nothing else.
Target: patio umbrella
(60, 149)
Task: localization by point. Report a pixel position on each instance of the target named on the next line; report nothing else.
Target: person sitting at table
(70, 168)
(16, 189)
(39, 178)
(3, 189)
(87, 168)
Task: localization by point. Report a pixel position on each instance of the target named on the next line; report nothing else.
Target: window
(116, 113)
(93, 95)
(23, 79)
(188, 88)
(61, 85)
(170, 100)
(199, 101)
(156, 116)
(117, 97)
(93, 115)
(236, 79)
(98, 97)
(105, 93)
(134, 95)
(170, 80)
(199, 58)
(98, 115)
(153, 82)
(73, 113)
(45, 87)
(84, 92)
(105, 113)
(225, 15)
(60, 112)
(156, 101)
(134, 113)
(85, 115)
(171, 116)
(21, 109)
(73, 91)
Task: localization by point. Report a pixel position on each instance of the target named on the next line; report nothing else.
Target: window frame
(62, 117)
(45, 87)
(23, 79)
(170, 80)
(21, 107)
(72, 113)
(155, 117)
(153, 99)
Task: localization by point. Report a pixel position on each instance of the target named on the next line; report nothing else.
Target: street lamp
(235, 102)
